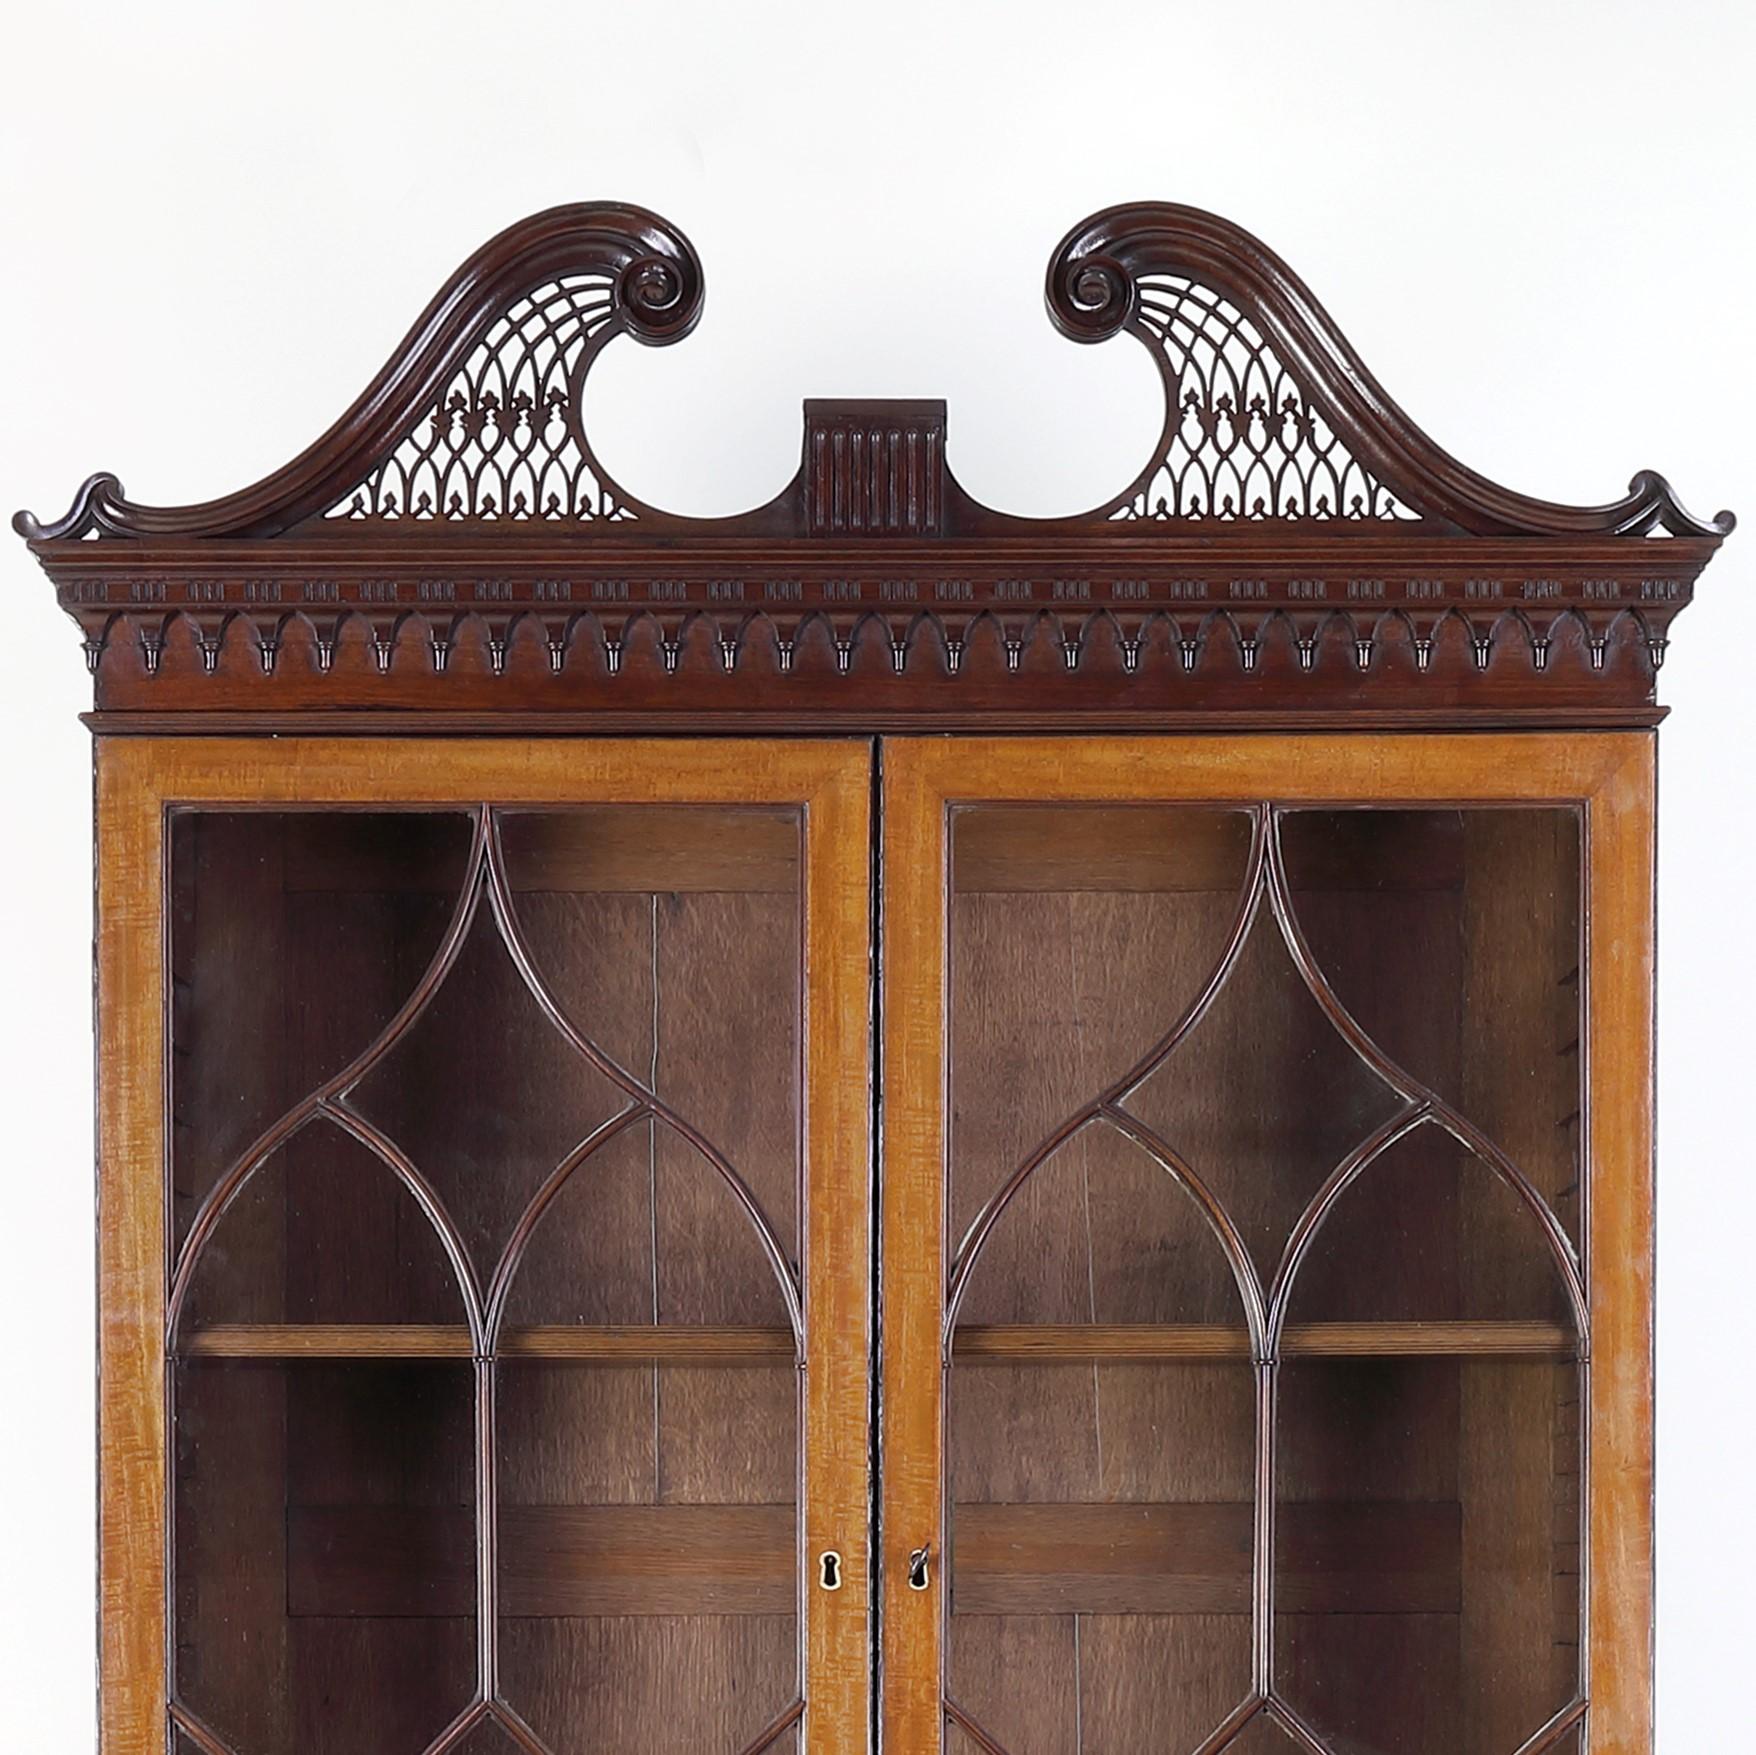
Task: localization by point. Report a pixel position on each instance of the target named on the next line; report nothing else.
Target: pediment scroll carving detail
(1292, 544)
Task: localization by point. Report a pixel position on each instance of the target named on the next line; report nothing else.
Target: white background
(1534, 220)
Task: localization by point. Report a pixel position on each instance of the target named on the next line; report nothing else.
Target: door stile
(912, 1270)
(133, 1523)
(1619, 1556)
(838, 1260)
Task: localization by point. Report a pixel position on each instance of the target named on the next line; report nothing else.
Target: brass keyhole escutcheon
(831, 1576)
(917, 1569)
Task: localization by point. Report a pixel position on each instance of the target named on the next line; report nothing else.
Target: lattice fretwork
(1247, 441)
(503, 438)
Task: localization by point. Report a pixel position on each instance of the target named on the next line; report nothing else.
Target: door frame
(1610, 777)
(138, 780)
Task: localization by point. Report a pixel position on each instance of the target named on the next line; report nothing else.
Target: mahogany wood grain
(674, 1343)
(1619, 1242)
(836, 1223)
(683, 1344)
(1367, 574)
(1312, 1340)
(914, 1247)
(132, 1225)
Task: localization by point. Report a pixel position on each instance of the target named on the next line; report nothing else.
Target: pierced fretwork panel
(503, 438)
(1246, 440)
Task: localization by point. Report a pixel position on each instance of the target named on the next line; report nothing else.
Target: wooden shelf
(1022, 1342)
(1313, 1340)
(608, 1346)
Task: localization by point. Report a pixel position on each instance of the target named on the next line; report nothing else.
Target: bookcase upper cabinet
(875, 1123)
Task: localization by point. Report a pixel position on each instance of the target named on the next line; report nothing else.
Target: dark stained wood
(556, 1560)
(1101, 278)
(574, 853)
(1478, 669)
(675, 1692)
(1358, 572)
(1194, 1559)
(871, 469)
(1070, 849)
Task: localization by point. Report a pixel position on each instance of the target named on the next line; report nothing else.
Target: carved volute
(1294, 547)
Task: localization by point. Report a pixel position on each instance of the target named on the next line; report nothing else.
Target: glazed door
(1266, 1152)
(486, 1292)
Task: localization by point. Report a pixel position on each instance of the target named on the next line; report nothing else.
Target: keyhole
(832, 1570)
(917, 1569)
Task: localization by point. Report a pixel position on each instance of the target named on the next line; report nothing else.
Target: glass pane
(1264, 1097)
(324, 1552)
(1079, 937)
(1429, 1234)
(1262, 1736)
(1452, 1487)
(1454, 937)
(269, 911)
(1121, 1133)
(591, 1099)
(649, 1508)
(1101, 1231)
(1101, 1406)
(1100, 1549)
(1429, 1458)
(525, 1097)
(279, 1256)
(488, 1739)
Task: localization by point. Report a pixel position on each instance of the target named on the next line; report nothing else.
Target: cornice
(1294, 545)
